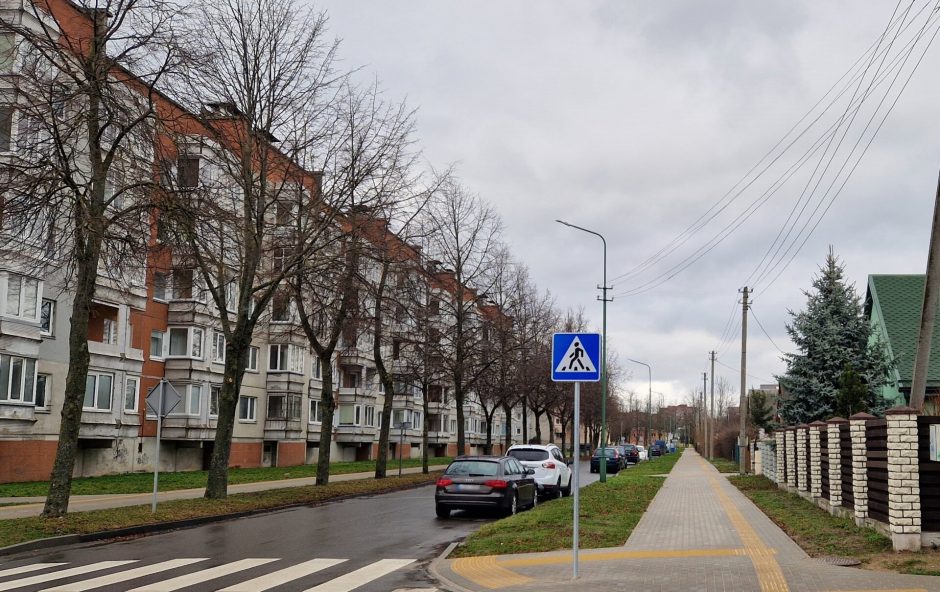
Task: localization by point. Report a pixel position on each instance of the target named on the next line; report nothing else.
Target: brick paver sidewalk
(699, 534)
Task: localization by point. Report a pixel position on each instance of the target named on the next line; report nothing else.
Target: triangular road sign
(575, 359)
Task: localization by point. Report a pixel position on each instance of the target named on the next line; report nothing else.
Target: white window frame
(50, 331)
(27, 382)
(109, 331)
(128, 380)
(252, 353)
(215, 392)
(369, 416)
(163, 344)
(416, 420)
(22, 304)
(293, 360)
(252, 415)
(314, 409)
(191, 405)
(218, 347)
(167, 286)
(194, 343)
(95, 404)
(46, 380)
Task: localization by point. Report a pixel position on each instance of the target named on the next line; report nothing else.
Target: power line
(764, 331)
(738, 370)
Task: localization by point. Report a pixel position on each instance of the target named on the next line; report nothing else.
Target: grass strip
(725, 466)
(143, 482)
(20, 530)
(609, 513)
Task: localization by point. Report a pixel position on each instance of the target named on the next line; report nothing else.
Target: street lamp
(603, 289)
(649, 401)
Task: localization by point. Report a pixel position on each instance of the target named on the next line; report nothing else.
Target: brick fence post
(802, 434)
(834, 426)
(780, 438)
(903, 479)
(791, 457)
(859, 465)
(815, 459)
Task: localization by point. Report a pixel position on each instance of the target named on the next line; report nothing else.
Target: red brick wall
(291, 454)
(26, 460)
(452, 450)
(245, 454)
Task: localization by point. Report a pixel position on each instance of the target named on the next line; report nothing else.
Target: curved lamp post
(649, 401)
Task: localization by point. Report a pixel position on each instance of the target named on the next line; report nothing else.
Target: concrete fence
(876, 471)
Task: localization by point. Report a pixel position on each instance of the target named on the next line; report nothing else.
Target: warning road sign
(576, 357)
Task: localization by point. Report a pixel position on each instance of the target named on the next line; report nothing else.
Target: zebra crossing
(132, 575)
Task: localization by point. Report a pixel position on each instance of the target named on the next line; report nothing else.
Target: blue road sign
(576, 357)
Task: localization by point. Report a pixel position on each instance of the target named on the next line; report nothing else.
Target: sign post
(162, 399)
(576, 358)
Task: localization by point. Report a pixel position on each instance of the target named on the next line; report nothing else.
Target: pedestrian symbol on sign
(574, 359)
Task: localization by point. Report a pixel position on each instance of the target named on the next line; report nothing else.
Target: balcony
(353, 356)
(355, 434)
(283, 429)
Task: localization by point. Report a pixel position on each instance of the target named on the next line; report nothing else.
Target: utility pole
(711, 413)
(929, 311)
(705, 411)
(742, 436)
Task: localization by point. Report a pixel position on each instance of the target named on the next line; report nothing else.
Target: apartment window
(284, 407)
(161, 283)
(183, 284)
(416, 421)
(17, 379)
(43, 392)
(282, 212)
(370, 416)
(6, 127)
(247, 408)
(46, 317)
(109, 331)
(7, 51)
(350, 415)
(192, 400)
(280, 308)
(131, 388)
(98, 389)
(396, 349)
(218, 347)
(22, 296)
(186, 342)
(317, 369)
(187, 172)
(351, 379)
(434, 306)
(28, 133)
(251, 358)
(283, 357)
(316, 413)
(215, 393)
(453, 426)
(156, 344)
(279, 257)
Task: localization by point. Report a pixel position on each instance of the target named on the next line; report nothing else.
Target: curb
(157, 527)
(444, 580)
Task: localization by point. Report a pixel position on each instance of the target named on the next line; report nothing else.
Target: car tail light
(548, 465)
(444, 482)
(496, 484)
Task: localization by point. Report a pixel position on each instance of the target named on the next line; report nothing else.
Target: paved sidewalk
(84, 503)
(700, 534)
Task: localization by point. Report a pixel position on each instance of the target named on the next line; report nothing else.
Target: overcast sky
(634, 118)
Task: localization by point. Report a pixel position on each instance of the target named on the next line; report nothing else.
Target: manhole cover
(843, 561)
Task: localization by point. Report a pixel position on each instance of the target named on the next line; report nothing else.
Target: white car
(643, 454)
(552, 473)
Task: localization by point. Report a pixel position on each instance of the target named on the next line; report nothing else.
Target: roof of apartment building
(893, 304)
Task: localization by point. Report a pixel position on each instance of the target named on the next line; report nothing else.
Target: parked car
(612, 457)
(630, 454)
(552, 473)
(642, 451)
(485, 482)
(655, 450)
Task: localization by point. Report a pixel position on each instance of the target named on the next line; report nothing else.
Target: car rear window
(528, 454)
(605, 452)
(629, 448)
(482, 468)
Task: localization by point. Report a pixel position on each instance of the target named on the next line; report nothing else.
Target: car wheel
(442, 512)
(535, 501)
(567, 490)
(558, 491)
(514, 504)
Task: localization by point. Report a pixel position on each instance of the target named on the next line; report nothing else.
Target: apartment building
(154, 321)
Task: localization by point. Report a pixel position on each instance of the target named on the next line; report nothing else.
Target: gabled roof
(899, 299)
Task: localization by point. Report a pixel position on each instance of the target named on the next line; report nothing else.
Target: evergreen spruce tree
(831, 335)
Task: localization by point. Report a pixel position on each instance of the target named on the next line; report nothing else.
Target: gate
(876, 442)
(845, 448)
(824, 461)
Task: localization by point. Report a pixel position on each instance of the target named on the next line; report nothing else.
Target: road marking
(59, 575)
(561, 559)
(123, 576)
(283, 576)
(203, 576)
(361, 576)
(27, 568)
(486, 571)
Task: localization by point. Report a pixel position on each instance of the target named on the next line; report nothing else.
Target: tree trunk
(461, 442)
(551, 427)
(538, 425)
(60, 484)
(217, 483)
(426, 427)
(508, 437)
(327, 408)
(525, 421)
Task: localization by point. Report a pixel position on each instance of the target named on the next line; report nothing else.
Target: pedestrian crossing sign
(576, 357)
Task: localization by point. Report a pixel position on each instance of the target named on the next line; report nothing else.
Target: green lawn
(725, 466)
(609, 513)
(143, 482)
(19, 530)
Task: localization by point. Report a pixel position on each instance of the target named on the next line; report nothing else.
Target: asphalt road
(361, 532)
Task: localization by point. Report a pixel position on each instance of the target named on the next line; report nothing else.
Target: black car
(485, 482)
(656, 450)
(630, 454)
(613, 458)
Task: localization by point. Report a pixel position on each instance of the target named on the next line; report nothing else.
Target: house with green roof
(893, 305)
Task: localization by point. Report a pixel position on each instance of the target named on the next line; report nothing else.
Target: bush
(726, 442)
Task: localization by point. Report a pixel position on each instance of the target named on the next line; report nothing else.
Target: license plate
(463, 487)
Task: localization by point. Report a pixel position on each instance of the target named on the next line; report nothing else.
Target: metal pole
(401, 444)
(742, 436)
(711, 414)
(928, 312)
(577, 481)
(156, 466)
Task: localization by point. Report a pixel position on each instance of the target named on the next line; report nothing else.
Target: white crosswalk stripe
(361, 576)
(203, 576)
(123, 576)
(61, 574)
(283, 576)
(13, 571)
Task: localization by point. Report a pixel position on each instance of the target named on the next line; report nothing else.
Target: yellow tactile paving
(611, 555)
(486, 572)
(769, 575)
(886, 590)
